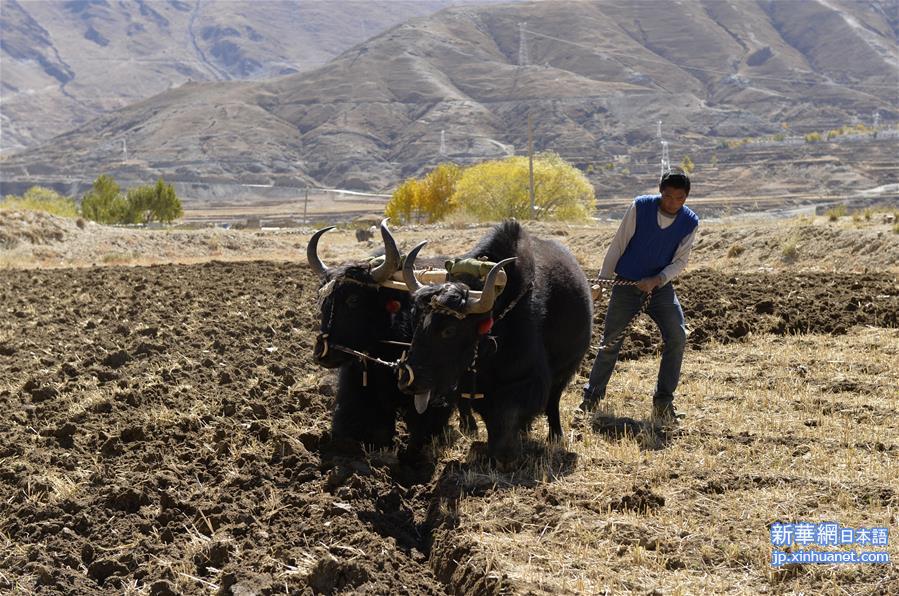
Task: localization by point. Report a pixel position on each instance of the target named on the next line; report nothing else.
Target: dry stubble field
(166, 432)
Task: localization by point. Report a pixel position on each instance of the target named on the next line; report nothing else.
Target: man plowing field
(650, 248)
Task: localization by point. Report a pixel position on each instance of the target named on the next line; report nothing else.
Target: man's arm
(623, 236)
(681, 257)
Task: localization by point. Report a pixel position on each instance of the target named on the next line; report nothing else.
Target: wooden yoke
(434, 276)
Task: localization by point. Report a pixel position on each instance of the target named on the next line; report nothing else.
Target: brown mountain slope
(64, 63)
(596, 77)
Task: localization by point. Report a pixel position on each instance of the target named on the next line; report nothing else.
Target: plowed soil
(166, 431)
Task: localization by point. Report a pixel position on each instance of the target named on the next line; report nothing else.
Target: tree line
(496, 189)
(106, 202)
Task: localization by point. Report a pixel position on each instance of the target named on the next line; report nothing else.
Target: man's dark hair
(675, 178)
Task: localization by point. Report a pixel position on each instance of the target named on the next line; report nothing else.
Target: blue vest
(651, 249)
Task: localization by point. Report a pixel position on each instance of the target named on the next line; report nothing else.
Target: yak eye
(448, 332)
(352, 301)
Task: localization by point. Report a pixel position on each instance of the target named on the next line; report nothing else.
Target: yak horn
(488, 295)
(391, 263)
(312, 252)
(412, 283)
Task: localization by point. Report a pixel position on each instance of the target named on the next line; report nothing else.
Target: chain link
(622, 282)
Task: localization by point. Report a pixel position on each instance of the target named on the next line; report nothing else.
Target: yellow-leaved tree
(499, 188)
(435, 201)
(428, 199)
(405, 200)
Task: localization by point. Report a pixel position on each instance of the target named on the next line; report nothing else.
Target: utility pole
(531, 163)
(666, 162)
(305, 206)
(522, 45)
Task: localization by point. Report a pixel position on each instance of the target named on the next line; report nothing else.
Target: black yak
(518, 350)
(359, 313)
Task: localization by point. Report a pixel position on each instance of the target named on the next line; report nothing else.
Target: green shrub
(104, 203)
(789, 250)
(149, 203)
(39, 198)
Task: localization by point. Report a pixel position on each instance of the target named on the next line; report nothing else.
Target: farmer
(651, 248)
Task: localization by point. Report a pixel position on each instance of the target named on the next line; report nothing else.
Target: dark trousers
(666, 311)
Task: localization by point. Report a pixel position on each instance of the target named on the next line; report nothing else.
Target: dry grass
(724, 244)
(783, 428)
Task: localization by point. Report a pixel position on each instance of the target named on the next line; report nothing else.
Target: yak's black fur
(532, 351)
(355, 315)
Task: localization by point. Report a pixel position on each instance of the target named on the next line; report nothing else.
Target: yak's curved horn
(312, 252)
(391, 256)
(412, 283)
(488, 295)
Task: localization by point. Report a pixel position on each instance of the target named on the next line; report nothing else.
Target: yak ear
(391, 256)
(484, 304)
(312, 252)
(412, 283)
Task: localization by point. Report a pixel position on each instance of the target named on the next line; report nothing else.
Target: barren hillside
(65, 63)
(460, 85)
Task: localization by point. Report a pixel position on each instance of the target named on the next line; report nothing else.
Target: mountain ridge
(67, 62)
(597, 79)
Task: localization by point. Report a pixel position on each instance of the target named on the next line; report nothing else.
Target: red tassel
(485, 326)
(393, 306)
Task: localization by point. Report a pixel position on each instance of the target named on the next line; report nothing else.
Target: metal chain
(363, 356)
(620, 336)
(514, 302)
(605, 281)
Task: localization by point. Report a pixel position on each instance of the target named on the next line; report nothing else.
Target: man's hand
(648, 284)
